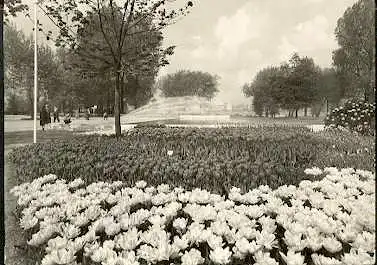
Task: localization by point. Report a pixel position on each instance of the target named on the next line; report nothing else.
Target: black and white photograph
(189, 132)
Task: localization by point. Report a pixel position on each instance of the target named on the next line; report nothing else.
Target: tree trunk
(327, 106)
(306, 111)
(296, 113)
(121, 94)
(108, 101)
(117, 105)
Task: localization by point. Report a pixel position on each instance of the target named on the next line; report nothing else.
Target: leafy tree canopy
(189, 83)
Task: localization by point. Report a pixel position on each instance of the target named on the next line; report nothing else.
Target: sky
(234, 39)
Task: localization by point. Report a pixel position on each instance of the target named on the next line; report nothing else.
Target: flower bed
(331, 221)
(212, 159)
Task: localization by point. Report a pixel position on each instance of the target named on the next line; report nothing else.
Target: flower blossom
(220, 255)
(192, 257)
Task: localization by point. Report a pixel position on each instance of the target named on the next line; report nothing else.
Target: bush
(212, 159)
(357, 116)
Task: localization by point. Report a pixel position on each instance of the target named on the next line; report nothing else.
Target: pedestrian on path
(56, 114)
(44, 117)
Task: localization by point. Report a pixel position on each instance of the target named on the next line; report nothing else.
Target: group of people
(45, 116)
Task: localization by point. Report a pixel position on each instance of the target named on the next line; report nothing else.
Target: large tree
(189, 83)
(73, 17)
(302, 81)
(265, 90)
(292, 86)
(143, 60)
(354, 60)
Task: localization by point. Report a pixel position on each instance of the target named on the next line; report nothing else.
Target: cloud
(307, 38)
(199, 52)
(234, 31)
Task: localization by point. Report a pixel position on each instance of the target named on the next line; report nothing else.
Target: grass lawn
(26, 137)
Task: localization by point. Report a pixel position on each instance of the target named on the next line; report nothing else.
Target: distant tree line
(294, 85)
(301, 84)
(188, 83)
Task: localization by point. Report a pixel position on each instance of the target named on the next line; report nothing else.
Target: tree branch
(123, 36)
(103, 32)
(122, 25)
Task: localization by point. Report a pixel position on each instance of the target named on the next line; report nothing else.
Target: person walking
(88, 113)
(105, 115)
(56, 114)
(44, 117)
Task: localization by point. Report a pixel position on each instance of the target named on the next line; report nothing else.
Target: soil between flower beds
(212, 159)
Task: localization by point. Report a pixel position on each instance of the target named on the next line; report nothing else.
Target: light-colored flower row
(114, 224)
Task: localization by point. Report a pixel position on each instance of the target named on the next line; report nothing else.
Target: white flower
(141, 184)
(357, 258)
(365, 241)
(220, 228)
(101, 254)
(163, 188)
(263, 258)
(266, 239)
(293, 258)
(170, 152)
(313, 171)
(193, 257)
(200, 196)
(48, 260)
(76, 183)
(332, 245)
(63, 256)
(150, 189)
(158, 220)
(264, 188)
(127, 240)
(28, 221)
(215, 241)
(293, 240)
(180, 243)
(245, 247)
(56, 243)
(111, 227)
(322, 260)
(220, 255)
(70, 231)
(180, 224)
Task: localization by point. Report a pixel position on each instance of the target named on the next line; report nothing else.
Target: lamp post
(35, 71)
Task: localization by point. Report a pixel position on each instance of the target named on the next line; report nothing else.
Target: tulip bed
(331, 221)
(211, 159)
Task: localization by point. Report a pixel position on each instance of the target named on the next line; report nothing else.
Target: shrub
(213, 159)
(355, 115)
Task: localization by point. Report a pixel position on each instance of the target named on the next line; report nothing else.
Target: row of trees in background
(19, 71)
(301, 84)
(188, 83)
(294, 85)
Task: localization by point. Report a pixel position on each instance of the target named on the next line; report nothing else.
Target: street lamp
(35, 70)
